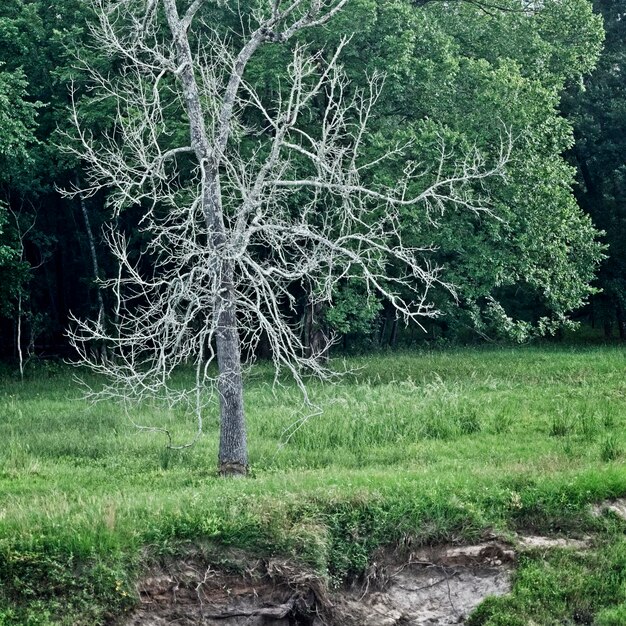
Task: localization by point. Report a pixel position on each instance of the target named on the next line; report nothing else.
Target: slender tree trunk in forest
(94, 262)
(383, 329)
(393, 339)
(18, 341)
(621, 322)
(389, 331)
(316, 337)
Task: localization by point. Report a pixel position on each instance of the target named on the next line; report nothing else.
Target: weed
(610, 449)
(560, 425)
(469, 422)
(587, 424)
(503, 423)
(609, 419)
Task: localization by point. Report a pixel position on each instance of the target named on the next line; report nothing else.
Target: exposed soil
(439, 585)
(427, 587)
(617, 506)
(533, 542)
(431, 586)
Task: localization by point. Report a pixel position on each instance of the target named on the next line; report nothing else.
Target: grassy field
(429, 446)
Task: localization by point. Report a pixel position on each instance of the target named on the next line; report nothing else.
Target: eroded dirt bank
(430, 586)
(426, 587)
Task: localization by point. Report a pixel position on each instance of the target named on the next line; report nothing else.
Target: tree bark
(233, 452)
(621, 322)
(316, 341)
(393, 339)
(94, 263)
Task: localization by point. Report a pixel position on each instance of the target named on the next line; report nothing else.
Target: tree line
(459, 83)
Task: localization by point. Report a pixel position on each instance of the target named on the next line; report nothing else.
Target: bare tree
(231, 229)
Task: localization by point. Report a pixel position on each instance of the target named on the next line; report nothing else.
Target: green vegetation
(426, 447)
(454, 72)
(564, 587)
(598, 112)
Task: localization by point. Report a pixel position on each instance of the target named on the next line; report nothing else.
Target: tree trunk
(233, 452)
(393, 339)
(621, 322)
(94, 264)
(316, 341)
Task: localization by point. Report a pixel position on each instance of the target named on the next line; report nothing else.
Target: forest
(312, 312)
(461, 76)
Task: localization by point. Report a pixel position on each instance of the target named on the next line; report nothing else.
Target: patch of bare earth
(427, 587)
(617, 507)
(535, 542)
(439, 585)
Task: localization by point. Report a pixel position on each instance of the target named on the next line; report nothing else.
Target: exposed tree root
(276, 612)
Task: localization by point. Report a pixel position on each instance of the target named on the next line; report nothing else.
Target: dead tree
(210, 206)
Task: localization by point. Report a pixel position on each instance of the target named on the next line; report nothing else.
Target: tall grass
(431, 446)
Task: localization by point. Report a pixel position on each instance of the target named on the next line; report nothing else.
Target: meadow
(426, 447)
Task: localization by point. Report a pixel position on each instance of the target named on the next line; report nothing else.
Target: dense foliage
(468, 74)
(16, 138)
(461, 72)
(598, 110)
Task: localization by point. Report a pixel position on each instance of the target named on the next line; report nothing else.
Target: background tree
(597, 107)
(17, 119)
(460, 70)
(465, 71)
(36, 42)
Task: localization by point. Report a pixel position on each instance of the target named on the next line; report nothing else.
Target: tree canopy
(597, 108)
(461, 73)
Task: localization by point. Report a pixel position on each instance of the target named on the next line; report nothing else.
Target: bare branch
(200, 291)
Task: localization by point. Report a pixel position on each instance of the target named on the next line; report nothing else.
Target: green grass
(564, 587)
(423, 447)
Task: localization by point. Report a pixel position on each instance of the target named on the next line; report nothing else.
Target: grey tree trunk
(315, 335)
(233, 450)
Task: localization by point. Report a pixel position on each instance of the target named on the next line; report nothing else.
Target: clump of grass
(16, 460)
(469, 422)
(569, 447)
(610, 449)
(566, 587)
(587, 425)
(613, 616)
(609, 417)
(45, 585)
(560, 425)
(503, 422)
